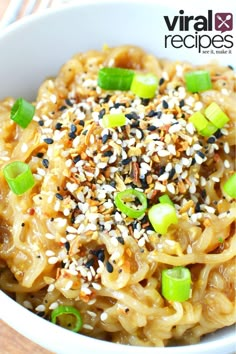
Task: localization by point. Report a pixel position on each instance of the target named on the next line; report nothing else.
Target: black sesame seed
(230, 67)
(101, 227)
(23, 224)
(40, 314)
(203, 193)
(68, 102)
(85, 132)
(211, 140)
(152, 113)
(126, 161)
(76, 159)
(58, 126)
(90, 263)
(101, 255)
(101, 113)
(165, 104)
(145, 101)
(45, 163)
(218, 134)
(41, 123)
(109, 267)
(132, 115)
(39, 155)
(107, 153)
(159, 114)
(200, 153)
(105, 138)
(181, 103)
(171, 173)
(144, 183)
(62, 108)
(161, 170)
(193, 161)
(72, 135)
(113, 184)
(59, 196)
(121, 240)
(135, 124)
(67, 245)
(106, 99)
(81, 122)
(197, 208)
(48, 141)
(161, 81)
(151, 128)
(117, 105)
(73, 128)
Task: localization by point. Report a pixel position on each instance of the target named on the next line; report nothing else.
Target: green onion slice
(209, 130)
(22, 112)
(215, 114)
(68, 317)
(198, 81)
(19, 177)
(161, 216)
(199, 121)
(176, 284)
(124, 202)
(165, 199)
(115, 78)
(113, 120)
(230, 186)
(144, 85)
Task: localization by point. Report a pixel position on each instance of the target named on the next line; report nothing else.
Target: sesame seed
(165, 104)
(103, 316)
(40, 308)
(87, 326)
(48, 141)
(45, 163)
(109, 267)
(53, 305)
(59, 196)
(226, 164)
(52, 260)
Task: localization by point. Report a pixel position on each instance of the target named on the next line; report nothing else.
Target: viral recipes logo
(200, 32)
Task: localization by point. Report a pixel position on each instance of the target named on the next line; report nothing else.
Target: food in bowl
(117, 198)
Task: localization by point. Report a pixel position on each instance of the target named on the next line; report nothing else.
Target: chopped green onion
(215, 114)
(115, 78)
(199, 121)
(209, 130)
(165, 199)
(161, 216)
(19, 177)
(198, 81)
(176, 284)
(144, 85)
(129, 196)
(68, 317)
(113, 120)
(22, 112)
(230, 186)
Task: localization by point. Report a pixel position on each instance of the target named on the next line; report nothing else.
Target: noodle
(65, 242)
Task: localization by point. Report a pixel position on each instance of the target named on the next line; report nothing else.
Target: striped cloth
(13, 10)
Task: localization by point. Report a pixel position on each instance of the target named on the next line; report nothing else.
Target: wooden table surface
(11, 342)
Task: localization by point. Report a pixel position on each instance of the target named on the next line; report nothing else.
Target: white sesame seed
(52, 260)
(170, 187)
(226, 147)
(24, 147)
(49, 236)
(163, 153)
(28, 305)
(141, 242)
(87, 326)
(40, 308)
(91, 313)
(53, 98)
(103, 316)
(68, 285)
(226, 164)
(215, 179)
(96, 286)
(53, 305)
(49, 253)
(51, 287)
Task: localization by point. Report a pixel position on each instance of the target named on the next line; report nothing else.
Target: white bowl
(35, 48)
